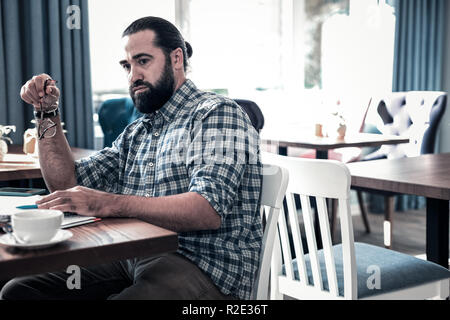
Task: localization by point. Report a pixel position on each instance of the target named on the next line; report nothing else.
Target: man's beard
(155, 96)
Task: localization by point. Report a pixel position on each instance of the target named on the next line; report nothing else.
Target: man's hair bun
(189, 50)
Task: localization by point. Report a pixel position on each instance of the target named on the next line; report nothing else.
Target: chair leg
(444, 290)
(362, 207)
(388, 213)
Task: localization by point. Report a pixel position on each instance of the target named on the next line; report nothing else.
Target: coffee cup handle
(9, 229)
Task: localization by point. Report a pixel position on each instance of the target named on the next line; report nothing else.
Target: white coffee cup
(36, 226)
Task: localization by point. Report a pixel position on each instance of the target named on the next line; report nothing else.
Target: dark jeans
(165, 277)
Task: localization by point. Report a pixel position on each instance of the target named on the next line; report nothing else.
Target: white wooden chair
(275, 181)
(347, 270)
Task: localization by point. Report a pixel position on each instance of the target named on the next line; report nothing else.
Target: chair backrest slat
(348, 251)
(308, 218)
(285, 247)
(327, 245)
(297, 237)
(276, 268)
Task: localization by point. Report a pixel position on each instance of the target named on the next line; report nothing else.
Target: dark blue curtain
(44, 36)
(419, 44)
(418, 64)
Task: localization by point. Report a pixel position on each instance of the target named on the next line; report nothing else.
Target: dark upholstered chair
(413, 114)
(253, 111)
(114, 115)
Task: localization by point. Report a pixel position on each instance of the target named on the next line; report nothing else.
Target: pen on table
(32, 206)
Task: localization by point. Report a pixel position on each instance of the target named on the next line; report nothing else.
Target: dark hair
(167, 36)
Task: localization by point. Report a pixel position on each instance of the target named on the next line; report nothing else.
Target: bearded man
(167, 168)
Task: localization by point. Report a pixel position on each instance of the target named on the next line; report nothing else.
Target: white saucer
(61, 235)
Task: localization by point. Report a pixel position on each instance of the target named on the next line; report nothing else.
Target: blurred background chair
(346, 270)
(416, 115)
(114, 115)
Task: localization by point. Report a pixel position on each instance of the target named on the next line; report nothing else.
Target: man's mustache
(140, 83)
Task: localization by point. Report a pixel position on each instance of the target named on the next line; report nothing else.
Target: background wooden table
(19, 166)
(92, 244)
(425, 175)
(322, 145)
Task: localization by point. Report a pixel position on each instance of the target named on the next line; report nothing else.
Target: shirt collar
(170, 109)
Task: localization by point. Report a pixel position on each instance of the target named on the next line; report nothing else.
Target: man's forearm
(56, 160)
(180, 213)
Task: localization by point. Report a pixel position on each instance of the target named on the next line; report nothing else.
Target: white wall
(445, 124)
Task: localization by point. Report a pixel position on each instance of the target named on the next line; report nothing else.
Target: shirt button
(156, 134)
(151, 164)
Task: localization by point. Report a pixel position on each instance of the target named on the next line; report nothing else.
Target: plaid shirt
(197, 142)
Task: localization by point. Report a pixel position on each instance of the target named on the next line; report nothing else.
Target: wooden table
(18, 166)
(322, 145)
(96, 243)
(426, 175)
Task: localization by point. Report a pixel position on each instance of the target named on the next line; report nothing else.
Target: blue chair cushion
(397, 270)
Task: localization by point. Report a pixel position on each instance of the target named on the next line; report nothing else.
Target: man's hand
(33, 93)
(81, 200)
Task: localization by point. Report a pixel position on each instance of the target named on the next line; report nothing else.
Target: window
(242, 48)
(317, 14)
(293, 57)
(357, 55)
(236, 44)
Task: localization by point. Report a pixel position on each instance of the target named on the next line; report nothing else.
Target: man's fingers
(52, 196)
(52, 203)
(62, 204)
(53, 91)
(32, 91)
(64, 208)
(40, 82)
(25, 97)
(34, 102)
(44, 76)
(67, 195)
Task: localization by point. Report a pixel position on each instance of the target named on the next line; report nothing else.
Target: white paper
(9, 204)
